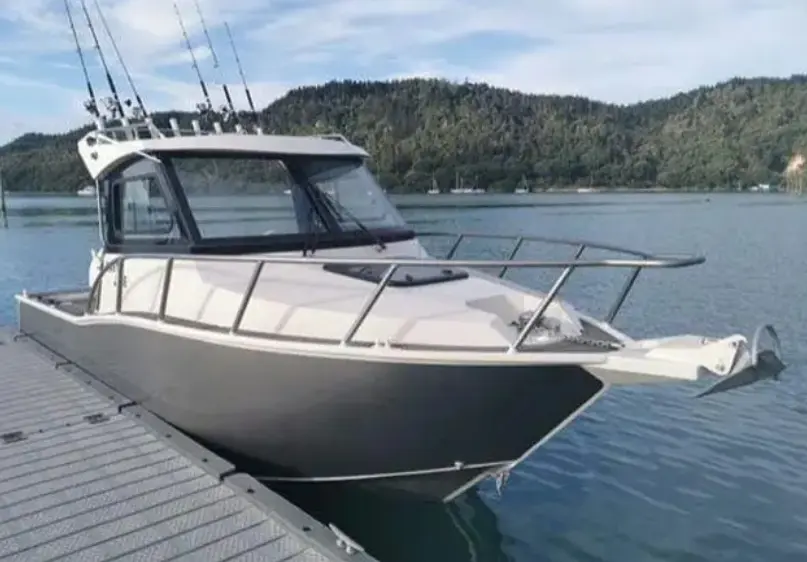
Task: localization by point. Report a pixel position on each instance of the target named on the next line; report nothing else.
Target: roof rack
(147, 129)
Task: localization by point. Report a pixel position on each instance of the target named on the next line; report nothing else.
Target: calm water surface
(647, 474)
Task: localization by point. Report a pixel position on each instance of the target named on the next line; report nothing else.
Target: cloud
(614, 50)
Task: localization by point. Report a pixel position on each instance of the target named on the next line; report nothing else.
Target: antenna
(114, 105)
(91, 105)
(244, 80)
(206, 107)
(104, 23)
(228, 110)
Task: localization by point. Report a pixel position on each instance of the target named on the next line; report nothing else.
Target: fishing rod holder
(111, 107)
(174, 124)
(92, 108)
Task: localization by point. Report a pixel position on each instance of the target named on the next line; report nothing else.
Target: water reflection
(396, 528)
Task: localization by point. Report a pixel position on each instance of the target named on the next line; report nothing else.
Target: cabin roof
(100, 152)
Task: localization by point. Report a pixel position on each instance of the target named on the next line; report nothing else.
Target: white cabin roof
(100, 152)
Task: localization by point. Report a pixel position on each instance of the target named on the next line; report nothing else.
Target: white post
(175, 126)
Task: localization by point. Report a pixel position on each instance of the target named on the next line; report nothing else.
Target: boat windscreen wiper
(342, 212)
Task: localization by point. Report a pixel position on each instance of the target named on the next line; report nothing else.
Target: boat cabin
(235, 194)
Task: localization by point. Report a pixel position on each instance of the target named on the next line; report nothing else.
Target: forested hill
(740, 132)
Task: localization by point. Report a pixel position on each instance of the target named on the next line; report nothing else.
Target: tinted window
(142, 209)
(244, 196)
(352, 194)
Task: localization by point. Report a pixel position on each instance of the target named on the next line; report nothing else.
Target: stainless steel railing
(580, 245)
(637, 261)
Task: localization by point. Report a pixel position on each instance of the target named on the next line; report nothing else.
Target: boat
(325, 343)
(522, 187)
(467, 190)
(434, 189)
(461, 189)
(86, 191)
(315, 340)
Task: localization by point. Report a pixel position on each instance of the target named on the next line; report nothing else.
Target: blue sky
(614, 50)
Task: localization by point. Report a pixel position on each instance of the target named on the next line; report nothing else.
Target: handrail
(542, 239)
(584, 244)
(166, 132)
(394, 264)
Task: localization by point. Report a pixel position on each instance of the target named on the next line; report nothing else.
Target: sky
(613, 50)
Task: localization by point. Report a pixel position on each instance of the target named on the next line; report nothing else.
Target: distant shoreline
(549, 191)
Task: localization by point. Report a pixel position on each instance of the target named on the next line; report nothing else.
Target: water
(648, 474)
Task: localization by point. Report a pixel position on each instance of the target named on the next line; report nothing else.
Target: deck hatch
(404, 276)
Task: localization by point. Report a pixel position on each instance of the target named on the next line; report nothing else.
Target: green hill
(738, 132)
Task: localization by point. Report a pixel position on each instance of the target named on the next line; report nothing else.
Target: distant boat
(434, 189)
(460, 187)
(522, 187)
(458, 184)
(86, 191)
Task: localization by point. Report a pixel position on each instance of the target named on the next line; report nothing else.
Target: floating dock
(87, 475)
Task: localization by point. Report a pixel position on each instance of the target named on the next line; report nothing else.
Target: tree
(740, 132)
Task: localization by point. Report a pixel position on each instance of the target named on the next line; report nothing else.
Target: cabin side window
(144, 209)
(140, 209)
(243, 196)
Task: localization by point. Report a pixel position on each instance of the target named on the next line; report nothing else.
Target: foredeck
(85, 474)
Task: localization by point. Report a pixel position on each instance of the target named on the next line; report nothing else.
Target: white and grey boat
(316, 338)
(262, 294)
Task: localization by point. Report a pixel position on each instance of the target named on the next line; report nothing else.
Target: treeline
(737, 133)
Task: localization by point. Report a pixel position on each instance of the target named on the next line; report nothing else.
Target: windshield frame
(334, 236)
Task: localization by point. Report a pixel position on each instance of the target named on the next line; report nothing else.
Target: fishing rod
(91, 105)
(206, 107)
(229, 109)
(116, 106)
(243, 79)
(105, 25)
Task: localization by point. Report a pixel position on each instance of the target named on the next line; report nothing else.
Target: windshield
(350, 191)
(256, 195)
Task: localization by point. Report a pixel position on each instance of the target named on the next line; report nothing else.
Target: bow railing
(635, 263)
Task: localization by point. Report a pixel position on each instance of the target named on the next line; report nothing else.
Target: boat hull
(426, 429)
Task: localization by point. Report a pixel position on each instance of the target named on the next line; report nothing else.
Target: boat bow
(735, 360)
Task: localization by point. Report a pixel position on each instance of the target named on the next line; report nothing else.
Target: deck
(86, 474)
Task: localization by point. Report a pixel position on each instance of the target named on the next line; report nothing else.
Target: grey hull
(291, 416)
